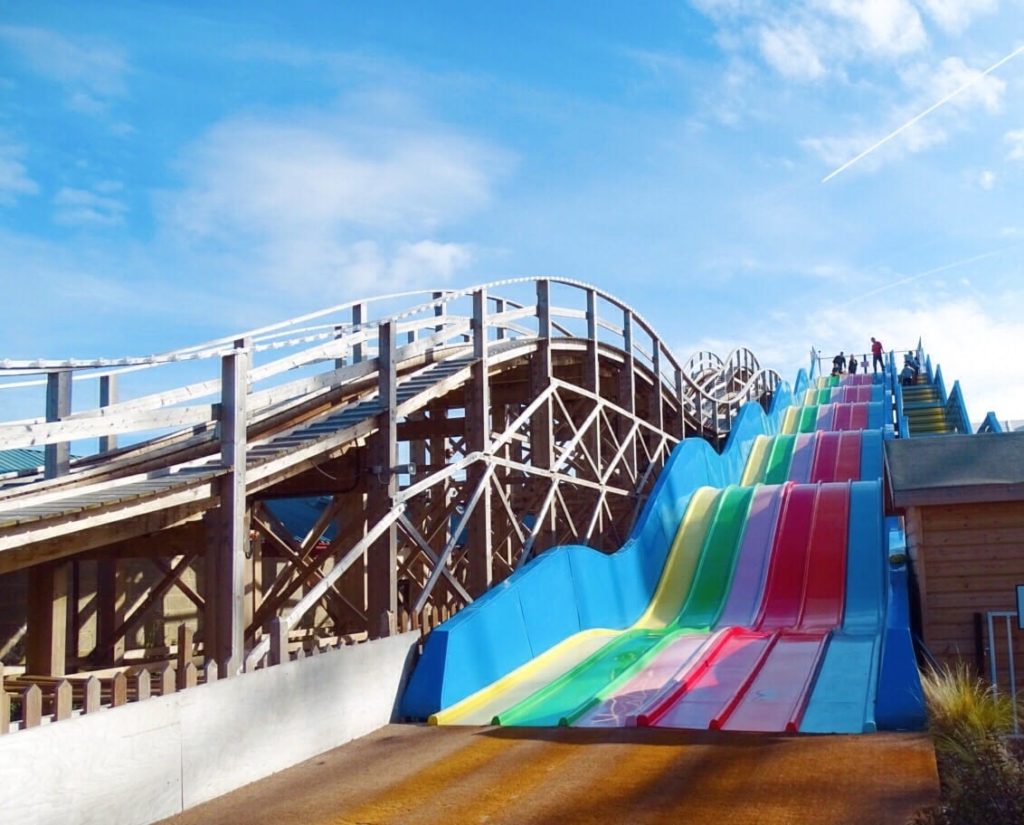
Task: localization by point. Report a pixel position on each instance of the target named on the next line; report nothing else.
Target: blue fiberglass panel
(871, 456)
(548, 602)
(841, 701)
(866, 560)
(900, 703)
(843, 697)
(461, 656)
(876, 416)
(608, 594)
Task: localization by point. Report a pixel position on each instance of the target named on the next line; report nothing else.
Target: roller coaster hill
(520, 489)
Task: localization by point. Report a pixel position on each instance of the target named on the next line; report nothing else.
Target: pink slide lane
(803, 457)
(668, 668)
(752, 564)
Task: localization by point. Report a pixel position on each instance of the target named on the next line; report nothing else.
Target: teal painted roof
(14, 460)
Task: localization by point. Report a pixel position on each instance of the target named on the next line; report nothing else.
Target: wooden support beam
(57, 457)
(478, 436)
(45, 639)
(627, 387)
(382, 558)
(225, 635)
(541, 433)
(110, 607)
(108, 397)
(358, 317)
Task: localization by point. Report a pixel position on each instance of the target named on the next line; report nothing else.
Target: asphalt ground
(418, 775)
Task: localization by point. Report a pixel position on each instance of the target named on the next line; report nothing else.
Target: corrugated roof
(956, 469)
(14, 460)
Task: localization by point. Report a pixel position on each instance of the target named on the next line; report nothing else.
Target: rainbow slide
(754, 594)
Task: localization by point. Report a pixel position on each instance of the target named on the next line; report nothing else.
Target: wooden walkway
(417, 775)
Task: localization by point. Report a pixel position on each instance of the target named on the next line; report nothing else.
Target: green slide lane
(714, 573)
(620, 658)
(824, 396)
(612, 662)
(808, 419)
(779, 459)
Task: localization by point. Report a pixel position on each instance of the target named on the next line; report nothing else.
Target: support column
(592, 380)
(478, 436)
(57, 457)
(542, 442)
(110, 612)
(627, 387)
(228, 528)
(382, 573)
(656, 414)
(108, 396)
(46, 639)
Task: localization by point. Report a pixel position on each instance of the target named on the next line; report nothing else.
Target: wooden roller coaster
(440, 440)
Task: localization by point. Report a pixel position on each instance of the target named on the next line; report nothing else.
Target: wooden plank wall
(968, 559)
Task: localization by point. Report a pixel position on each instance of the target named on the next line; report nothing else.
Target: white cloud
(935, 82)
(956, 15)
(987, 179)
(81, 207)
(1016, 140)
(91, 74)
(792, 52)
(928, 85)
(14, 178)
(883, 27)
(301, 197)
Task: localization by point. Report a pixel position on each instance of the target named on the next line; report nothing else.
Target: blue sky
(172, 172)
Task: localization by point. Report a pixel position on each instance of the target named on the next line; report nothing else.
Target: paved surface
(418, 775)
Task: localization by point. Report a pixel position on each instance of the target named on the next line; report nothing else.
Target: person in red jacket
(876, 355)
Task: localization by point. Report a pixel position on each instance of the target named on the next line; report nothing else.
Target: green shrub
(982, 781)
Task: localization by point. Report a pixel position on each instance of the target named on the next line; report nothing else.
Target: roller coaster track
(451, 435)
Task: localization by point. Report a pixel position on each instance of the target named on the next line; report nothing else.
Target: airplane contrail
(917, 276)
(928, 111)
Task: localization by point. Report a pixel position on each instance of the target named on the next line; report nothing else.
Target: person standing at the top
(853, 364)
(876, 356)
(839, 364)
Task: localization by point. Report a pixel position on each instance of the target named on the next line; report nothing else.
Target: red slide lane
(859, 421)
(841, 420)
(783, 591)
(825, 577)
(824, 467)
(848, 457)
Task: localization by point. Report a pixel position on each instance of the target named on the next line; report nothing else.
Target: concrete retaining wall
(140, 763)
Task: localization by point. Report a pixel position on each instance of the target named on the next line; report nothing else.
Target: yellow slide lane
(481, 707)
(791, 423)
(677, 575)
(754, 471)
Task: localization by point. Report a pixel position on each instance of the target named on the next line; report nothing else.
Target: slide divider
(793, 723)
(662, 703)
(730, 706)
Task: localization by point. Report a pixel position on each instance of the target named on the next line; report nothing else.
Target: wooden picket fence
(28, 701)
